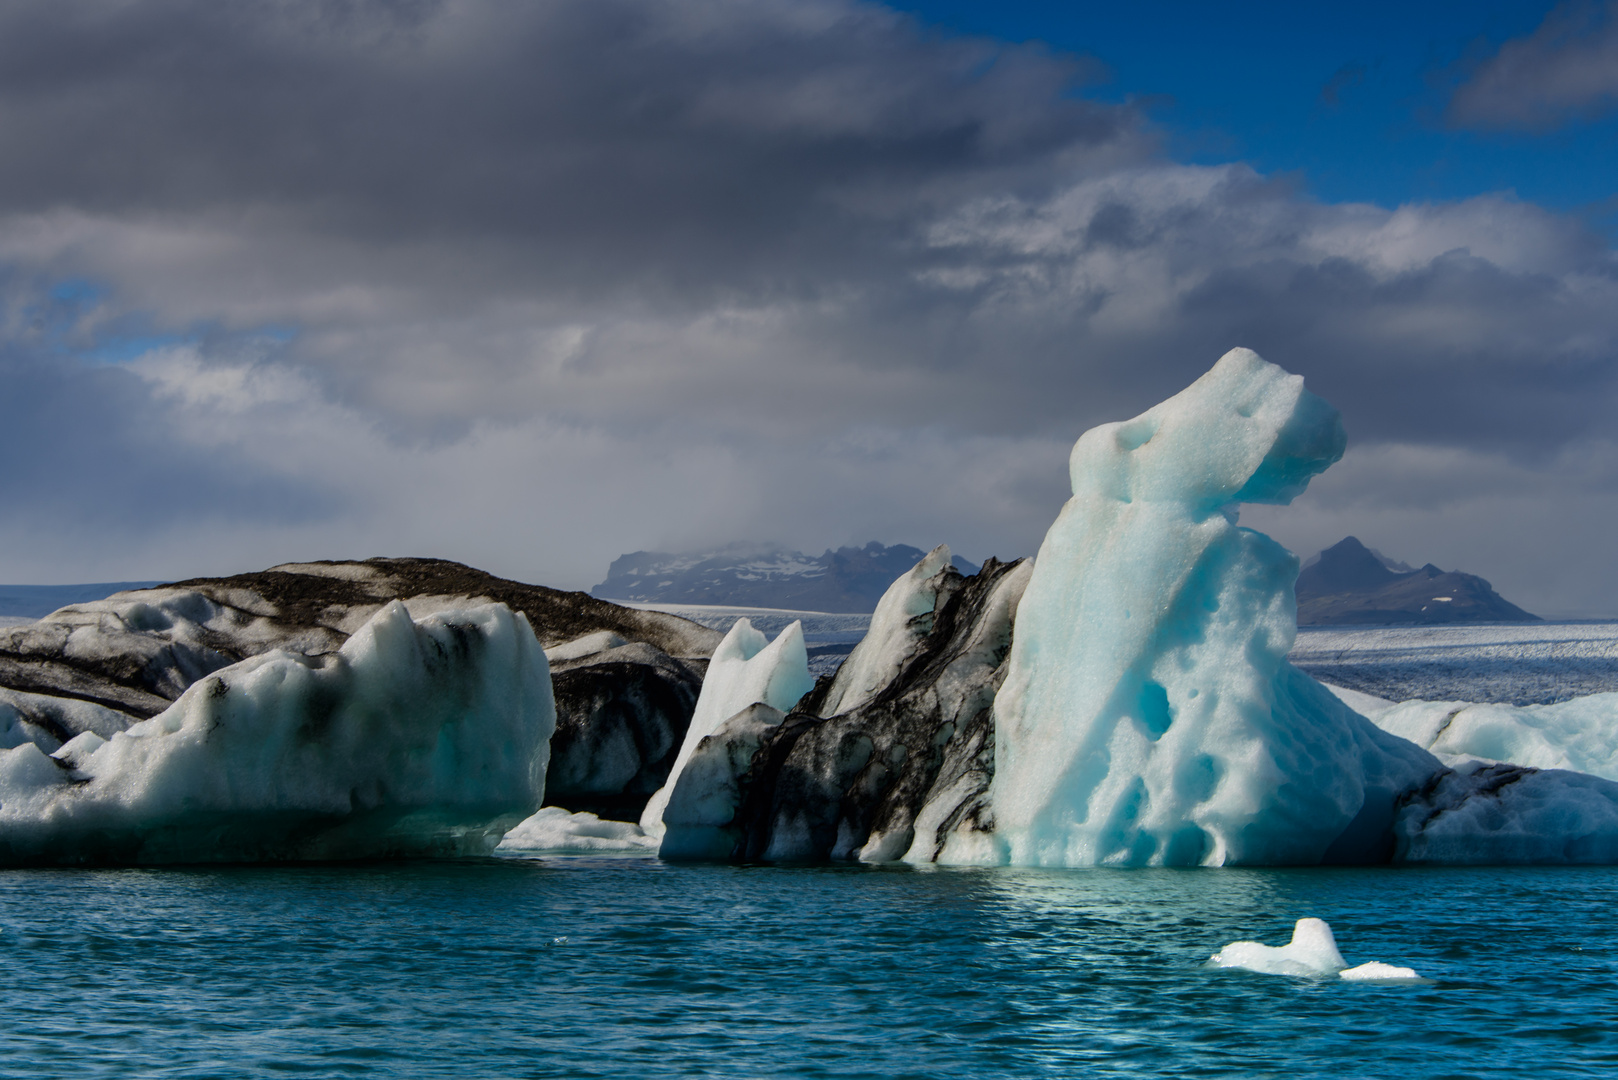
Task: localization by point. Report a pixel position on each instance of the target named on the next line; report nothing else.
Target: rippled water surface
(633, 968)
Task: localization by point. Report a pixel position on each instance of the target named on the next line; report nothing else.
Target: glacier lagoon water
(600, 967)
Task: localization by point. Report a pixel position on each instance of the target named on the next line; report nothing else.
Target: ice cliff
(415, 737)
(1148, 714)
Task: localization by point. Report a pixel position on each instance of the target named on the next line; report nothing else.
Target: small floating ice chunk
(556, 830)
(1311, 952)
(1377, 971)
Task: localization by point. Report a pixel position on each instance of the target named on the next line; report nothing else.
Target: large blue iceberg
(1148, 714)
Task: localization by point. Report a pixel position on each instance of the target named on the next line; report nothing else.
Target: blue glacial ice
(1148, 714)
(415, 737)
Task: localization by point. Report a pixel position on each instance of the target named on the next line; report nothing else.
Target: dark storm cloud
(1566, 69)
(723, 144)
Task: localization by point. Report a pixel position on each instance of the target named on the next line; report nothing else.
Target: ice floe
(1312, 952)
(415, 737)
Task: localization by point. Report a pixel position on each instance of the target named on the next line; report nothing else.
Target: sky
(531, 286)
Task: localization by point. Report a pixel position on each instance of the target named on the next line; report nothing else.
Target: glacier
(416, 737)
(744, 669)
(1148, 714)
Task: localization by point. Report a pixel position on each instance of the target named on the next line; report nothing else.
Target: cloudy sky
(532, 285)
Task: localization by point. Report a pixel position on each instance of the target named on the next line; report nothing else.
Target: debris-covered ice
(901, 622)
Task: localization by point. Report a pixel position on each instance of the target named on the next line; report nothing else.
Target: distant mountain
(849, 579)
(1349, 583)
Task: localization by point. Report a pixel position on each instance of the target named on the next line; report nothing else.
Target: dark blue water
(633, 968)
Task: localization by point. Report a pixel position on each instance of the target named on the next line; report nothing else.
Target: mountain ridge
(1348, 584)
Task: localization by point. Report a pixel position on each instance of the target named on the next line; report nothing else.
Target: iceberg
(1148, 714)
(426, 737)
(1312, 952)
(1500, 814)
(743, 670)
(898, 767)
(699, 820)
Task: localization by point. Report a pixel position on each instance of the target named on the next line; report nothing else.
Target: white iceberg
(1312, 952)
(1148, 715)
(743, 670)
(558, 831)
(427, 737)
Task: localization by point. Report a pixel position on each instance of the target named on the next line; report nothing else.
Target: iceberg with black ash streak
(426, 737)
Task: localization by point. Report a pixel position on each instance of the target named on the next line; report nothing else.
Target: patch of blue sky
(122, 349)
(78, 291)
(1349, 100)
(68, 325)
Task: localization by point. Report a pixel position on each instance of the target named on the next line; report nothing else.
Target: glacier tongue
(1148, 714)
(743, 670)
(427, 737)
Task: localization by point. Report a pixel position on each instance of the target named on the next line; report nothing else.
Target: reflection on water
(631, 968)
